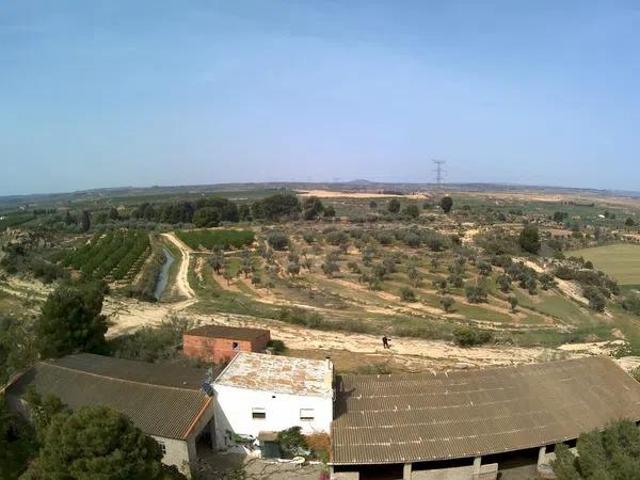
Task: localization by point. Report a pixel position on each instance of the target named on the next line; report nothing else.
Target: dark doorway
(515, 459)
(381, 472)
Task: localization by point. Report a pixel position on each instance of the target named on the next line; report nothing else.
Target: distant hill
(102, 194)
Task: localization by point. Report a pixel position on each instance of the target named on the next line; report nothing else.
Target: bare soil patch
(334, 194)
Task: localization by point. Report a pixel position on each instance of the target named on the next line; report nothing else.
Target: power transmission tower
(439, 171)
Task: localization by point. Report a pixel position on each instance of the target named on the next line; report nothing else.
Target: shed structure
(164, 401)
(423, 426)
(218, 343)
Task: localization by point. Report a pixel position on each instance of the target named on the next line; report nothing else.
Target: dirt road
(413, 352)
(127, 316)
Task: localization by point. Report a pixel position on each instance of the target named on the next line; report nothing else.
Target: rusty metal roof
(232, 333)
(159, 406)
(274, 373)
(427, 417)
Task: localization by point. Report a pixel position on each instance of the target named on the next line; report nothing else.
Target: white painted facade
(182, 452)
(235, 409)
(266, 393)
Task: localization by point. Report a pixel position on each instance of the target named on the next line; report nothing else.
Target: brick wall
(218, 350)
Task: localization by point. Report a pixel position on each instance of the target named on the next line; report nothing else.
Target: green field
(210, 239)
(114, 255)
(620, 261)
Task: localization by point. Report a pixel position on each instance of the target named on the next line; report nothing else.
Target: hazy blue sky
(112, 93)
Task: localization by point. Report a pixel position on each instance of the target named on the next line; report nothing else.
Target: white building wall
(182, 452)
(176, 453)
(234, 412)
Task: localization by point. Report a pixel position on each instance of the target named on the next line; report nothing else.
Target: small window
(307, 414)
(163, 447)
(258, 413)
(235, 346)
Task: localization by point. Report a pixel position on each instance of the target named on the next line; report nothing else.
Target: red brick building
(216, 343)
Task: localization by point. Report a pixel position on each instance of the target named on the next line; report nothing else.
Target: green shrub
(631, 303)
(446, 303)
(468, 336)
(337, 238)
(278, 240)
(597, 301)
(276, 346)
(292, 443)
(529, 239)
(476, 293)
(151, 344)
(407, 294)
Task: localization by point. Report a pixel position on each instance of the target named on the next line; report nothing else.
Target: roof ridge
(44, 362)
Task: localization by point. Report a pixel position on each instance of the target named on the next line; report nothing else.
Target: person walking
(385, 342)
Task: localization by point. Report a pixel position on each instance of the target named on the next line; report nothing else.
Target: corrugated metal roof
(167, 374)
(153, 396)
(274, 373)
(232, 333)
(426, 417)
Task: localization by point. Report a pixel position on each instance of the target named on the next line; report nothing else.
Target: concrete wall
(182, 452)
(176, 453)
(233, 412)
(216, 350)
(345, 476)
(487, 472)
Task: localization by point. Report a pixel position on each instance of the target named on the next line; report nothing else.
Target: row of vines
(112, 256)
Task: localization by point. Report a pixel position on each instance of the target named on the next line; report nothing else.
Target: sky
(139, 93)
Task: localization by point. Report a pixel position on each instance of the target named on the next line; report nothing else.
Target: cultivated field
(449, 289)
(111, 256)
(621, 261)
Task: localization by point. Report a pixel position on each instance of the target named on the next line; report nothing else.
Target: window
(258, 413)
(163, 447)
(235, 346)
(307, 414)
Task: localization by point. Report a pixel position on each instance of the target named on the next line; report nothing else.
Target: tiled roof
(162, 400)
(232, 333)
(274, 373)
(425, 417)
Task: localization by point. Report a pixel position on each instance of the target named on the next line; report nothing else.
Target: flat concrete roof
(275, 373)
(427, 417)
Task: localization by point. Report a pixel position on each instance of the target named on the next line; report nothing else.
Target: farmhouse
(216, 343)
(465, 424)
(166, 402)
(460, 425)
(258, 395)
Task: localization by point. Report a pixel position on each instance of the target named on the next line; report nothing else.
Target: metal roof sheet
(427, 417)
(165, 408)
